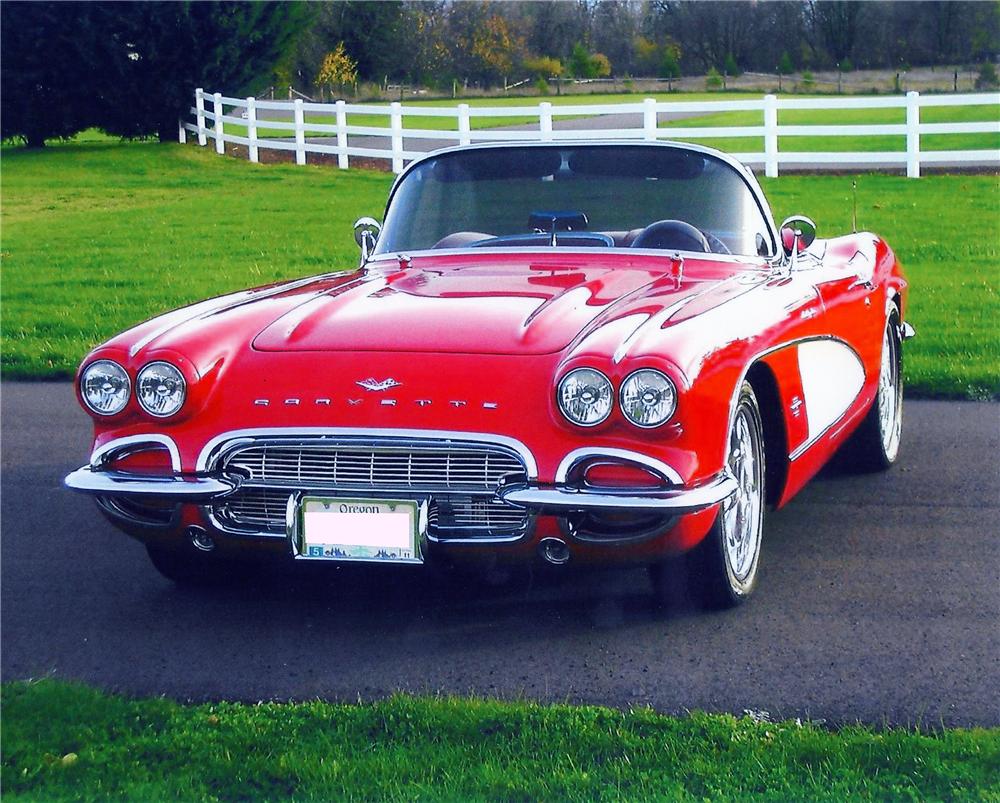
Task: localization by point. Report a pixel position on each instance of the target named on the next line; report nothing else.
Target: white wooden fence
(210, 124)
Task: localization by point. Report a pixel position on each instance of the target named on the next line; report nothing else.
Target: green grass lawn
(97, 237)
(67, 742)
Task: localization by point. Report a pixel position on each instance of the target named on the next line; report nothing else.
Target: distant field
(67, 742)
(97, 237)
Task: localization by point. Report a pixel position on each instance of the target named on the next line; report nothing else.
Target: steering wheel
(672, 234)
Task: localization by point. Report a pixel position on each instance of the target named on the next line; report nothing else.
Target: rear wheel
(875, 445)
(722, 570)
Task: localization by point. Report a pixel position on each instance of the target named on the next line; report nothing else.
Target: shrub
(713, 80)
(847, 66)
(542, 86)
(987, 78)
(731, 67)
(808, 81)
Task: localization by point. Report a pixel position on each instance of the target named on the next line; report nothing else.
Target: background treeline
(130, 68)
(486, 44)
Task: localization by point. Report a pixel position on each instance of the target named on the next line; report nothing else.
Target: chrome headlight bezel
(607, 391)
(627, 388)
(121, 373)
(179, 377)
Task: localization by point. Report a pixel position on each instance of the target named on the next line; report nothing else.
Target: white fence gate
(212, 123)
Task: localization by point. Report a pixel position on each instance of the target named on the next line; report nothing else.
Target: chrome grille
(458, 480)
(405, 466)
(263, 509)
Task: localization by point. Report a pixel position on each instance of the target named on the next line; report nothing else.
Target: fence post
(342, 161)
(300, 133)
(464, 124)
(181, 133)
(252, 129)
(545, 121)
(220, 134)
(913, 135)
(199, 102)
(649, 119)
(770, 136)
(396, 123)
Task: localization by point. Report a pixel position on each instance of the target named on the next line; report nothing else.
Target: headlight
(160, 389)
(585, 396)
(105, 387)
(648, 398)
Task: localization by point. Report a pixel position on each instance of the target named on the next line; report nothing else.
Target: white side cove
(832, 378)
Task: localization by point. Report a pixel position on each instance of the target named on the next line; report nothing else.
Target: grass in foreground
(64, 741)
(98, 237)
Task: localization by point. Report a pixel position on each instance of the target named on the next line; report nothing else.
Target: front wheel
(875, 445)
(721, 571)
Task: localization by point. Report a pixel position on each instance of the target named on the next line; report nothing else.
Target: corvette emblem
(373, 384)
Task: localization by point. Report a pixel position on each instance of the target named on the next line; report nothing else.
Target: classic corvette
(584, 353)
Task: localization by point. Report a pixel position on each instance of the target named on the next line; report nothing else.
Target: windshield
(576, 196)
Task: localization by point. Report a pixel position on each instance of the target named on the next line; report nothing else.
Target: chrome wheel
(890, 395)
(741, 514)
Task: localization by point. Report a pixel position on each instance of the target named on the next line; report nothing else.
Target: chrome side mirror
(797, 234)
(366, 232)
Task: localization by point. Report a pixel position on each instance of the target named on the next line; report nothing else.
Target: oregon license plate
(379, 530)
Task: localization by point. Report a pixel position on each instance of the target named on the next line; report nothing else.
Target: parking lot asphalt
(879, 601)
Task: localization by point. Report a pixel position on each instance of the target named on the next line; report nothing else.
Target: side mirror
(797, 234)
(366, 232)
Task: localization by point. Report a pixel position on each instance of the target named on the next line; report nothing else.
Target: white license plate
(378, 530)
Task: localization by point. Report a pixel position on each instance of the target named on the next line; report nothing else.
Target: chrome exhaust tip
(200, 538)
(554, 550)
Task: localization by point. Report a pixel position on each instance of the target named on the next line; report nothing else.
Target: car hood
(503, 304)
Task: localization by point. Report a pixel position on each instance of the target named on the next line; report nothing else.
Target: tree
(44, 81)
(648, 56)
(583, 64)
(337, 69)
(600, 65)
(785, 66)
(836, 22)
(730, 67)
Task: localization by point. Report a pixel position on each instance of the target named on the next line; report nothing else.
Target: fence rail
(211, 118)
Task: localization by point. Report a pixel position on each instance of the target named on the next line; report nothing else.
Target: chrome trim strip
(121, 483)
(561, 499)
(108, 451)
(212, 449)
(578, 455)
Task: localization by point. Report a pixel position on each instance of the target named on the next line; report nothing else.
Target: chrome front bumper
(178, 487)
(558, 499)
(562, 499)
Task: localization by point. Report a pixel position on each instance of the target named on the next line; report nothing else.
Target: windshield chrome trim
(541, 250)
(741, 169)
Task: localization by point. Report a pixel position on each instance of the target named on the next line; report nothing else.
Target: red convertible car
(584, 353)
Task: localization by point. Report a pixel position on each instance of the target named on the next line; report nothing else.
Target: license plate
(377, 530)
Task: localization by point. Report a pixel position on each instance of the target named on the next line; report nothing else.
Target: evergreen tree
(153, 55)
(43, 84)
(131, 68)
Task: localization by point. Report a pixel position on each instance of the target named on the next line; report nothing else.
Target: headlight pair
(160, 388)
(648, 397)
